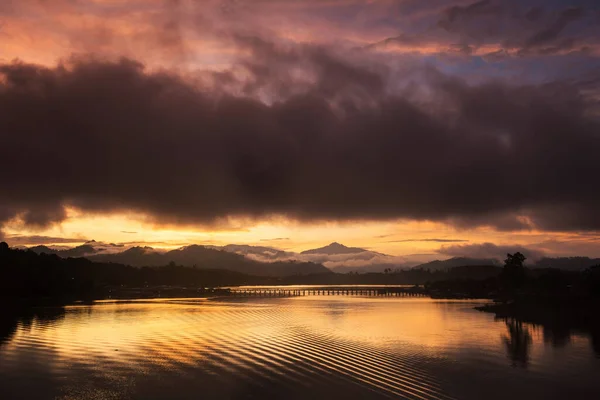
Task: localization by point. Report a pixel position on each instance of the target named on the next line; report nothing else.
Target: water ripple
(290, 348)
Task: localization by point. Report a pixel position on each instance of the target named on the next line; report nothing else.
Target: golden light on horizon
(397, 237)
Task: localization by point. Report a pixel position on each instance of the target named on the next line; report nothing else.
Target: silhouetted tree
(514, 260)
(513, 274)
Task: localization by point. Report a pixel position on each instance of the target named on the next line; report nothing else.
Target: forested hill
(193, 256)
(26, 274)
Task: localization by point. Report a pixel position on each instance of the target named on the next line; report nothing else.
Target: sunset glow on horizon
(299, 199)
(421, 240)
(405, 128)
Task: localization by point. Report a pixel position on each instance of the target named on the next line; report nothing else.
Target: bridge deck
(328, 291)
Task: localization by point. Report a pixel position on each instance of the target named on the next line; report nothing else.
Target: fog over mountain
(258, 253)
(420, 149)
(335, 248)
(190, 256)
(168, 121)
(336, 257)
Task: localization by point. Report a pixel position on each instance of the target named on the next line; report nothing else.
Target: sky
(439, 128)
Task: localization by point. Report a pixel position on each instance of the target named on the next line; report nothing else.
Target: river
(338, 347)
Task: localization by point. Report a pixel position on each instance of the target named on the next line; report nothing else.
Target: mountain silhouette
(208, 258)
(439, 265)
(135, 256)
(336, 257)
(563, 263)
(262, 260)
(334, 248)
(79, 251)
(567, 263)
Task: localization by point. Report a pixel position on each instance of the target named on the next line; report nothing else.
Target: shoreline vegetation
(558, 301)
(29, 275)
(548, 297)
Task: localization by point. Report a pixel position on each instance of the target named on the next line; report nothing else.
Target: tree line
(26, 274)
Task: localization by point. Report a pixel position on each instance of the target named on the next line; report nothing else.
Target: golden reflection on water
(416, 321)
(410, 348)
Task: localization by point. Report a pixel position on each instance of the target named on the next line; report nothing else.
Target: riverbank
(558, 320)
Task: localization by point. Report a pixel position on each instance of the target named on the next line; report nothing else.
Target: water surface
(303, 347)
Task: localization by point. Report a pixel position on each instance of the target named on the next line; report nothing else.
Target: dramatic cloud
(184, 33)
(520, 28)
(105, 136)
(193, 112)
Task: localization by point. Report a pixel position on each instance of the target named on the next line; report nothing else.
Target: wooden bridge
(327, 291)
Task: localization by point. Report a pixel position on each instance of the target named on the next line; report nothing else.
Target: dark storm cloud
(551, 33)
(103, 136)
(272, 67)
(509, 27)
(460, 13)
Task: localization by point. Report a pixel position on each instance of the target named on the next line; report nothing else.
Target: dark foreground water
(292, 348)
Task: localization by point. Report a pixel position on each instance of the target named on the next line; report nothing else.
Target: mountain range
(335, 256)
(442, 265)
(564, 263)
(268, 261)
(79, 251)
(336, 248)
(191, 256)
